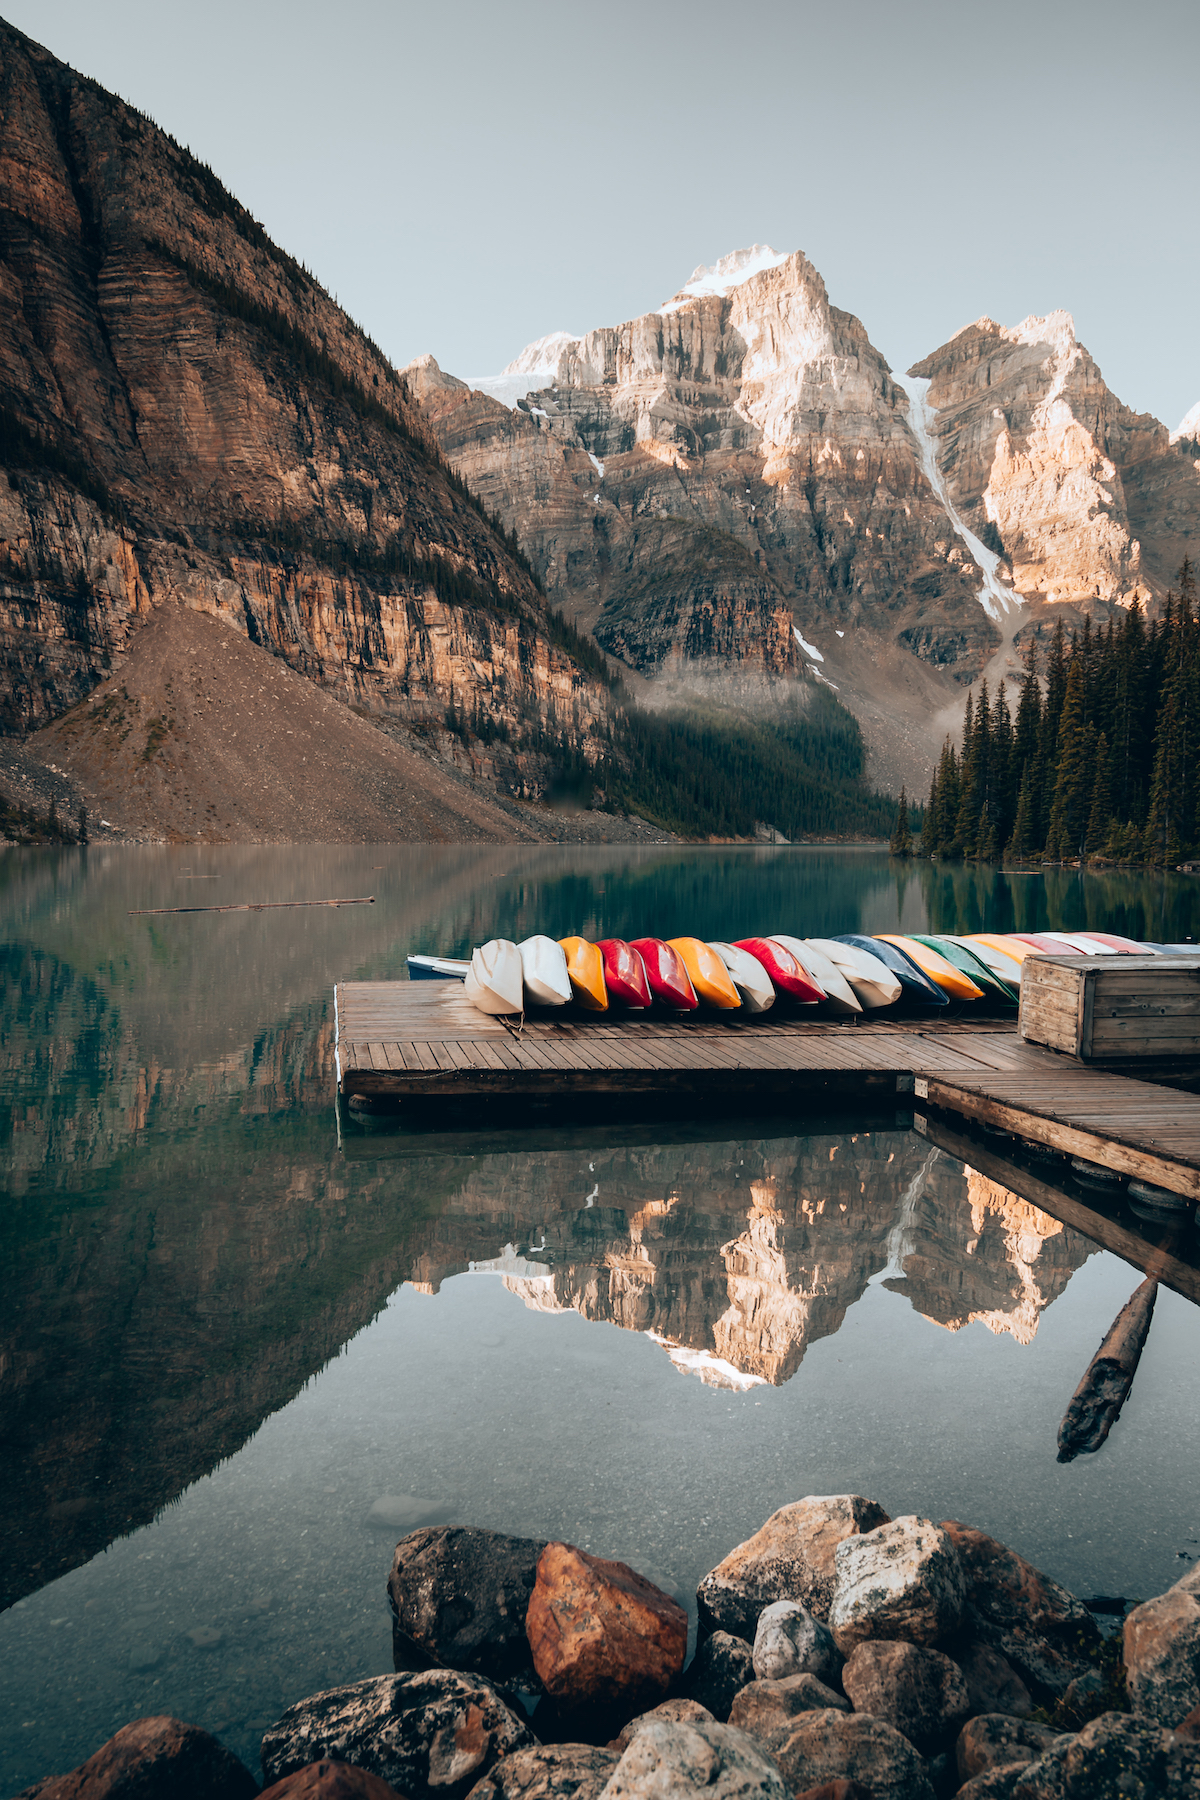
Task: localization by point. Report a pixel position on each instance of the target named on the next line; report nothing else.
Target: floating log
(139, 912)
(1097, 1401)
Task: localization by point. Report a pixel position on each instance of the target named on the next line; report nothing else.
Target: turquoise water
(231, 1326)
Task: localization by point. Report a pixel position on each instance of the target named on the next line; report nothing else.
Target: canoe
(871, 980)
(973, 965)
(436, 968)
(1006, 942)
(667, 977)
(493, 981)
(624, 973)
(1005, 964)
(787, 972)
(1089, 943)
(754, 987)
(707, 973)
(915, 984)
(544, 971)
(1041, 940)
(939, 969)
(1113, 941)
(585, 966)
(839, 995)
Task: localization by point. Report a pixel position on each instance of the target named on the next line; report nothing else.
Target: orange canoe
(585, 966)
(709, 976)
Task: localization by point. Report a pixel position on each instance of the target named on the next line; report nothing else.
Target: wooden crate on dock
(1112, 1008)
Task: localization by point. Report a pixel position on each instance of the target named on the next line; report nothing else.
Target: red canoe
(670, 983)
(1047, 946)
(624, 973)
(787, 974)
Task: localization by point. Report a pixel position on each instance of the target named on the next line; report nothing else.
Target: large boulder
(902, 1580)
(766, 1707)
(828, 1746)
(1046, 1634)
(720, 1669)
(790, 1641)
(431, 1734)
(459, 1598)
(600, 1633)
(671, 1712)
(919, 1691)
(672, 1761)
(548, 1772)
(1119, 1756)
(1162, 1652)
(993, 1784)
(997, 1741)
(791, 1557)
(325, 1780)
(993, 1685)
(154, 1757)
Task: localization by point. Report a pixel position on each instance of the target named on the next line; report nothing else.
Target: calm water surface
(232, 1327)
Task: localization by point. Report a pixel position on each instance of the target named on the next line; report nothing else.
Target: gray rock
(1047, 1635)
(1119, 1756)
(993, 1685)
(669, 1713)
(791, 1557)
(1162, 1652)
(902, 1580)
(765, 1707)
(919, 1691)
(143, 1657)
(993, 1784)
(669, 1762)
(432, 1734)
(205, 1637)
(826, 1746)
(459, 1599)
(548, 1772)
(722, 1666)
(789, 1641)
(997, 1740)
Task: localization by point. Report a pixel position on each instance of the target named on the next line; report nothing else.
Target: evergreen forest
(1101, 759)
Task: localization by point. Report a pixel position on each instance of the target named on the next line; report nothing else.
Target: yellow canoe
(710, 977)
(952, 981)
(998, 940)
(585, 966)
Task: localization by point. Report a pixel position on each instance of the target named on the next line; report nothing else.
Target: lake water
(232, 1325)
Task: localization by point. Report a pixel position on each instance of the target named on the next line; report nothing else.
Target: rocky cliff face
(1085, 500)
(187, 415)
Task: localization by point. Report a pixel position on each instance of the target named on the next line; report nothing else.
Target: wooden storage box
(1112, 1008)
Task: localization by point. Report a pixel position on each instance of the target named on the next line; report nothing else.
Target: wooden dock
(425, 1040)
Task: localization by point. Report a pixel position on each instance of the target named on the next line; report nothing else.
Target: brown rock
(716, 1762)
(157, 1758)
(1047, 1635)
(600, 1633)
(997, 1740)
(722, 1667)
(791, 1557)
(993, 1784)
(902, 1580)
(1189, 1727)
(459, 1599)
(919, 1691)
(827, 1746)
(993, 1685)
(327, 1780)
(548, 1772)
(836, 1790)
(1119, 1756)
(671, 1712)
(1162, 1652)
(765, 1707)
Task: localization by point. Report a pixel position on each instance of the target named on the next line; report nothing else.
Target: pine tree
(975, 759)
(1020, 844)
(1100, 818)
(901, 844)
(1073, 786)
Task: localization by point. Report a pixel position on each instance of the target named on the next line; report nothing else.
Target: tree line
(1100, 760)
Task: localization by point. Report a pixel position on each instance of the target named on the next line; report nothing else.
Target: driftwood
(1097, 1401)
(141, 912)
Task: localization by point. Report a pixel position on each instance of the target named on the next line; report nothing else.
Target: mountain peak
(1189, 426)
(542, 354)
(726, 273)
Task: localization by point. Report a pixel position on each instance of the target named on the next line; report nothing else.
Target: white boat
(1008, 968)
(436, 968)
(871, 979)
(839, 995)
(494, 981)
(544, 971)
(756, 991)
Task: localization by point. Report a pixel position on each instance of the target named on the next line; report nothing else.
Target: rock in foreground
(918, 1690)
(600, 1633)
(766, 1707)
(548, 1772)
(996, 1741)
(1162, 1652)
(459, 1598)
(789, 1641)
(1117, 1757)
(722, 1666)
(325, 1780)
(903, 1580)
(832, 1746)
(670, 1762)
(1046, 1634)
(432, 1734)
(157, 1758)
(791, 1557)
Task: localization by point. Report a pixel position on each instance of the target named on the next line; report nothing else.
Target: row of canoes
(833, 975)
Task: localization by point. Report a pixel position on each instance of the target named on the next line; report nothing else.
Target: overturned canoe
(624, 973)
(788, 975)
(754, 987)
(707, 973)
(544, 972)
(585, 967)
(666, 974)
(494, 981)
(872, 982)
(840, 997)
(936, 967)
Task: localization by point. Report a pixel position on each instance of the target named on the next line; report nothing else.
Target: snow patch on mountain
(725, 274)
(1189, 426)
(994, 597)
(535, 368)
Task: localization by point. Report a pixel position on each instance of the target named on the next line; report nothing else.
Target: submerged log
(1097, 1401)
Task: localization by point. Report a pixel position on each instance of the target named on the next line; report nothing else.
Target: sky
(465, 178)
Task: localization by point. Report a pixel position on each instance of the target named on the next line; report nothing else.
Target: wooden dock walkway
(426, 1040)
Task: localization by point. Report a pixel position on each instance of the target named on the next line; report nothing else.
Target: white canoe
(544, 970)
(756, 990)
(871, 979)
(1079, 940)
(839, 995)
(493, 982)
(1008, 968)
